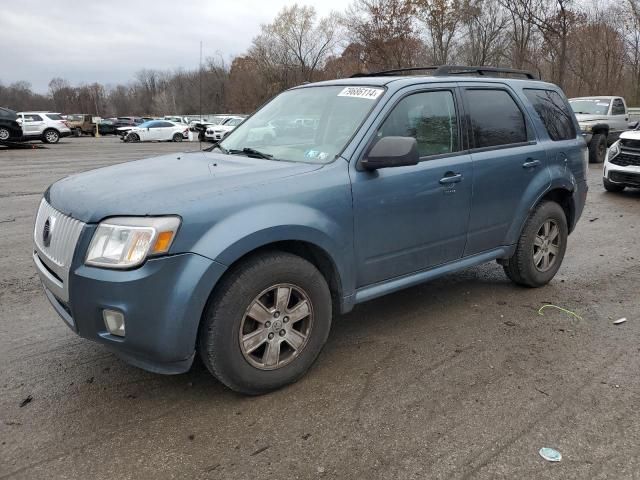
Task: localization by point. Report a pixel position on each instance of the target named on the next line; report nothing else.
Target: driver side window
(429, 117)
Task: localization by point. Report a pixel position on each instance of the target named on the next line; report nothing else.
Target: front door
(411, 218)
(32, 124)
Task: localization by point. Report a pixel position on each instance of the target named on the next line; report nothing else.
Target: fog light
(114, 321)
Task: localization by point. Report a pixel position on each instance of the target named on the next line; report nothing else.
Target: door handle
(530, 163)
(451, 177)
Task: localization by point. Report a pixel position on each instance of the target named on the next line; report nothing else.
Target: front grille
(631, 179)
(626, 159)
(64, 232)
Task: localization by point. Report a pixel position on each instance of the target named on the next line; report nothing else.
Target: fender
(239, 234)
(557, 180)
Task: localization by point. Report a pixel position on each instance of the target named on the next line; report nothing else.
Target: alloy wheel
(276, 326)
(546, 245)
(4, 134)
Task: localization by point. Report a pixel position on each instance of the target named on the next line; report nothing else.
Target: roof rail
(445, 70)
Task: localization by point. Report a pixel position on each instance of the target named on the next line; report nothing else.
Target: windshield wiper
(251, 151)
(218, 146)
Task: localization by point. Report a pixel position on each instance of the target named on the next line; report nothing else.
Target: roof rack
(446, 70)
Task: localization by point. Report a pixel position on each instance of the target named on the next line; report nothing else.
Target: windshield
(590, 106)
(54, 116)
(147, 124)
(310, 124)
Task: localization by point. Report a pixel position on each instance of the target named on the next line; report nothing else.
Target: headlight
(125, 242)
(585, 127)
(614, 150)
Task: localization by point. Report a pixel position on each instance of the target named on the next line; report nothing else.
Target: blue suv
(331, 194)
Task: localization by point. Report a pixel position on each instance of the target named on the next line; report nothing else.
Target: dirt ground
(458, 378)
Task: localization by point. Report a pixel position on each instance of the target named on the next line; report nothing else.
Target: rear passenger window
(496, 119)
(554, 113)
(618, 107)
(429, 117)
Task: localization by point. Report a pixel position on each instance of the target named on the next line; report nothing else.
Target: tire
(597, 148)
(5, 134)
(132, 137)
(523, 267)
(228, 316)
(177, 137)
(77, 132)
(612, 187)
(50, 135)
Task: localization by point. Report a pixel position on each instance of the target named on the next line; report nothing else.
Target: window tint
(495, 118)
(429, 117)
(55, 116)
(32, 118)
(618, 107)
(553, 112)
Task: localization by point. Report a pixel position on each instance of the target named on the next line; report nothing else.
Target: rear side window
(618, 107)
(553, 112)
(495, 117)
(429, 117)
(55, 116)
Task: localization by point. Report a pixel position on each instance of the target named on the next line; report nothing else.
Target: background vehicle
(159, 131)
(10, 129)
(215, 133)
(622, 165)
(81, 123)
(46, 126)
(128, 121)
(244, 252)
(107, 127)
(602, 120)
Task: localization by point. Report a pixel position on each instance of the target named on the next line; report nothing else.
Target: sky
(109, 40)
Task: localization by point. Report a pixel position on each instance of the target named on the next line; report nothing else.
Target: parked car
(128, 121)
(107, 127)
(10, 129)
(602, 120)
(622, 165)
(81, 123)
(243, 253)
(158, 131)
(46, 126)
(215, 133)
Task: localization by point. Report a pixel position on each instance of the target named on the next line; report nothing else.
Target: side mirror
(392, 152)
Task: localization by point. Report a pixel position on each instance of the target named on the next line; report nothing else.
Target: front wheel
(177, 137)
(597, 148)
(266, 323)
(50, 136)
(541, 247)
(5, 134)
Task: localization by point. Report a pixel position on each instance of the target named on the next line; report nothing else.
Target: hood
(163, 185)
(631, 135)
(584, 118)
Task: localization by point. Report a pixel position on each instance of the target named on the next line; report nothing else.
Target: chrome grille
(57, 253)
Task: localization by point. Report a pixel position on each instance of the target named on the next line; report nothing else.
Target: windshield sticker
(315, 155)
(361, 92)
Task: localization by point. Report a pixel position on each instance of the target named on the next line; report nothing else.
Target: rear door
(506, 159)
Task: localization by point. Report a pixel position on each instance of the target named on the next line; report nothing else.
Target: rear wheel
(612, 187)
(177, 137)
(50, 136)
(597, 148)
(5, 134)
(266, 323)
(77, 132)
(541, 247)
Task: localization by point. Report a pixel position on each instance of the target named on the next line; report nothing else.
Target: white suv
(622, 165)
(47, 126)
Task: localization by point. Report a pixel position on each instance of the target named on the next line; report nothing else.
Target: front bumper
(628, 176)
(162, 303)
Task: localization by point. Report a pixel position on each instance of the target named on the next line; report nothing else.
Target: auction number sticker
(361, 92)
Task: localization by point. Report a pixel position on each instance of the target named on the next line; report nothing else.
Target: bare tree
(485, 39)
(442, 20)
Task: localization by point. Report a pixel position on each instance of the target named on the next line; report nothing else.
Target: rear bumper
(162, 303)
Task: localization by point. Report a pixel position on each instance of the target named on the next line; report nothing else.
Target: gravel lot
(458, 378)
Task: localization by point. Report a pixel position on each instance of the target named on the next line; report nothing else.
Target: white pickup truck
(602, 120)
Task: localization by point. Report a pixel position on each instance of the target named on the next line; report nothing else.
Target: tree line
(588, 47)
